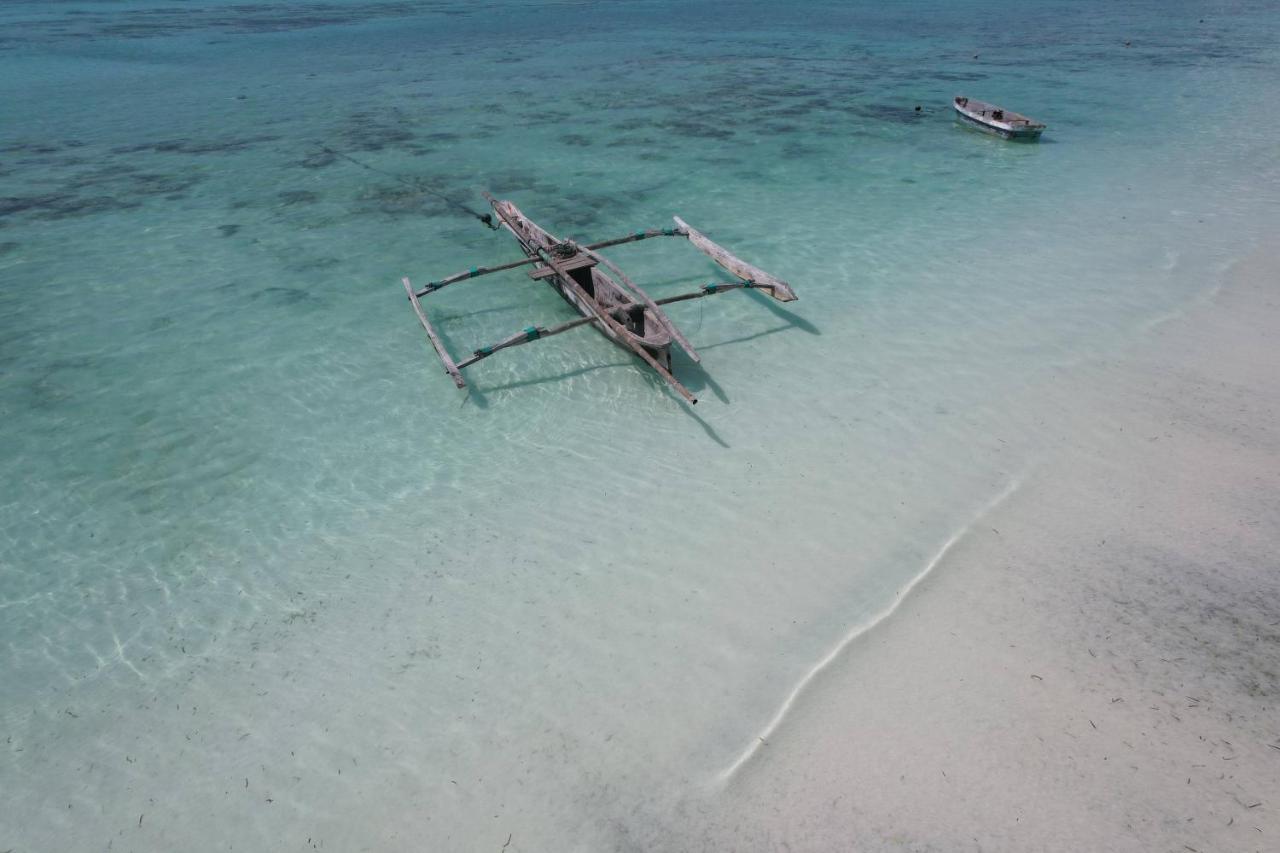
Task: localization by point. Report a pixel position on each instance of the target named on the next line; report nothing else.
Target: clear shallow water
(265, 576)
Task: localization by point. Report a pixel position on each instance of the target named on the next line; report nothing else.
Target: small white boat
(995, 120)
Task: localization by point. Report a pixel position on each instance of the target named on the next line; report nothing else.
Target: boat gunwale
(1013, 122)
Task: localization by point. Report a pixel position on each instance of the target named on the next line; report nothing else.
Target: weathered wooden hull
(608, 293)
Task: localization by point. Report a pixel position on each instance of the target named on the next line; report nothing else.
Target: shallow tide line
(858, 630)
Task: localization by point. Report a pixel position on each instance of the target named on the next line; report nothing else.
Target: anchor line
(417, 184)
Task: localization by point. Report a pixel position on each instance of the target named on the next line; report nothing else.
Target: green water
(251, 536)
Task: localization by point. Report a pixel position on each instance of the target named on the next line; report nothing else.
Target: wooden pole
(528, 336)
(712, 290)
(449, 367)
(639, 235)
(476, 272)
(537, 333)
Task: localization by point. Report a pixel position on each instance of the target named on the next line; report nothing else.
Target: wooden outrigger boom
(476, 272)
(619, 308)
(449, 367)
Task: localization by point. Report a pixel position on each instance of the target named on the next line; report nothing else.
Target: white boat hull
(992, 119)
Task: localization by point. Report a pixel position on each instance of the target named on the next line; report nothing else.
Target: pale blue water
(266, 577)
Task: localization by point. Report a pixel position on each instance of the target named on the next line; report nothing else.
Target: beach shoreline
(1092, 663)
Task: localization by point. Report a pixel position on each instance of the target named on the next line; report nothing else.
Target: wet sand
(1094, 664)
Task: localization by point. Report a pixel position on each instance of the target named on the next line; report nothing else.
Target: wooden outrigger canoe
(613, 304)
(995, 120)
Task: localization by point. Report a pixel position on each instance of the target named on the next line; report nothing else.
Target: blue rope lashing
(532, 333)
(474, 271)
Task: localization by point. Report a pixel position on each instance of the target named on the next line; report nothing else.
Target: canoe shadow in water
(690, 373)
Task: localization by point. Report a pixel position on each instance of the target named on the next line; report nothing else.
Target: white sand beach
(1095, 663)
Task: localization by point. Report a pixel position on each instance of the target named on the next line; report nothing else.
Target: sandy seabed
(1094, 664)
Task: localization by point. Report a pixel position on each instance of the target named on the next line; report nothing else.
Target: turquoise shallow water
(265, 576)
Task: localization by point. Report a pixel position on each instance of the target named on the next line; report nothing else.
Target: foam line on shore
(858, 630)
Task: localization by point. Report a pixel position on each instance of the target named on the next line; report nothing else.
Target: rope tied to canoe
(564, 249)
(417, 184)
(745, 284)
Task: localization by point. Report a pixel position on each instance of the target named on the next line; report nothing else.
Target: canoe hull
(607, 292)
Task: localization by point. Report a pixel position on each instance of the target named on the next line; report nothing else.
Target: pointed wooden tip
(774, 286)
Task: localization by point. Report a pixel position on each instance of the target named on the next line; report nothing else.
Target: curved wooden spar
(774, 286)
(449, 367)
(638, 292)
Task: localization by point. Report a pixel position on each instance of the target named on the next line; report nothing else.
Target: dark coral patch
(401, 200)
(283, 295)
(366, 132)
(299, 197)
(194, 146)
(316, 264)
(318, 160)
(695, 129)
(63, 205)
(106, 188)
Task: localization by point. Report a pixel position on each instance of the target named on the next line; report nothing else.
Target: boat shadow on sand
(692, 374)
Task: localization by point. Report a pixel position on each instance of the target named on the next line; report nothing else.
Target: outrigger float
(615, 305)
